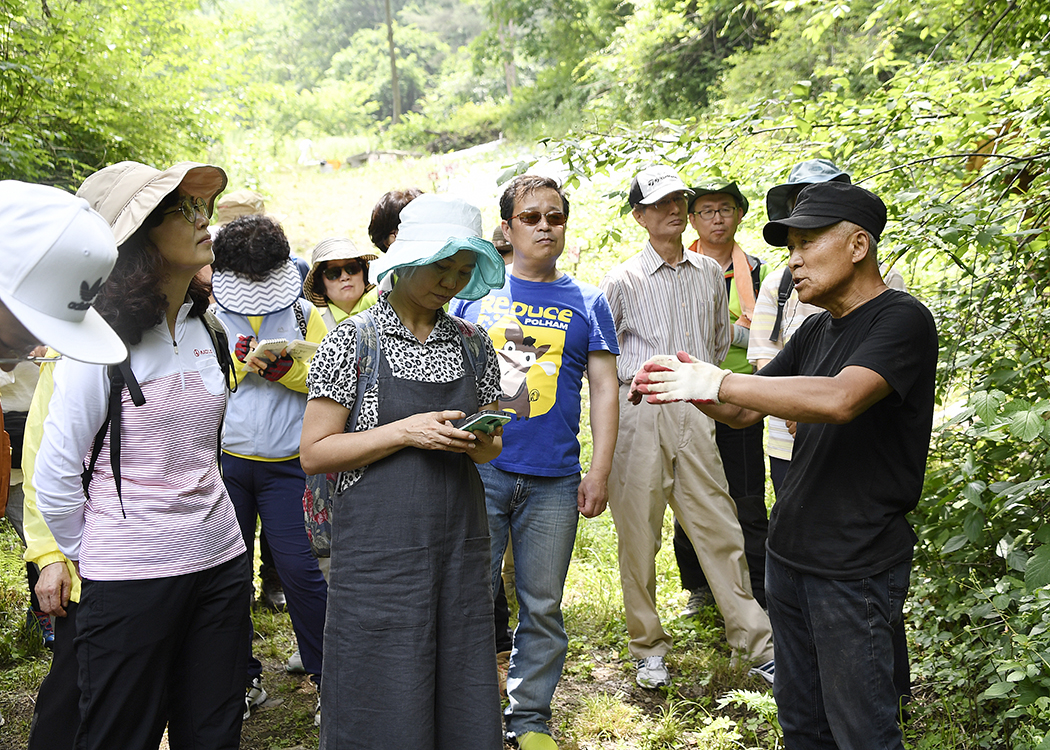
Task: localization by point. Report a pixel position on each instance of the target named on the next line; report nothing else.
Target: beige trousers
(667, 455)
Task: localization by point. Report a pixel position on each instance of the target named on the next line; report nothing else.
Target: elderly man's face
(822, 262)
(715, 218)
(15, 341)
(665, 219)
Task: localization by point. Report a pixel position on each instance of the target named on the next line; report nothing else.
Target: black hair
(525, 184)
(251, 246)
(130, 299)
(386, 215)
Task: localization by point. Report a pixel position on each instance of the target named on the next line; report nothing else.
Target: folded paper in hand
(298, 349)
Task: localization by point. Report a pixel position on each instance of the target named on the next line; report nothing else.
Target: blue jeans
(540, 515)
(834, 651)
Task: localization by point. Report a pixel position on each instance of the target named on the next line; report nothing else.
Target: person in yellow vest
(716, 210)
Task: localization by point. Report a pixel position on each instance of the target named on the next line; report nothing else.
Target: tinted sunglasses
(532, 218)
(351, 267)
(190, 207)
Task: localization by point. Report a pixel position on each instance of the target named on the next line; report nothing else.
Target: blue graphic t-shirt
(543, 333)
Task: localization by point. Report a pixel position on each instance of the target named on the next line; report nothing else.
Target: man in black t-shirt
(859, 380)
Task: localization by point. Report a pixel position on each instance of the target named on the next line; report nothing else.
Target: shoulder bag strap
(783, 292)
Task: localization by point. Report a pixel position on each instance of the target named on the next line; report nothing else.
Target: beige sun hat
(236, 204)
(127, 192)
(332, 248)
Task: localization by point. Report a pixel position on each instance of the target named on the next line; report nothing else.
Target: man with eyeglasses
(549, 330)
(667, 298)
(716, 210)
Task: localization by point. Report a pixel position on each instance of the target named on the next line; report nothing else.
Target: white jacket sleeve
(76, 412)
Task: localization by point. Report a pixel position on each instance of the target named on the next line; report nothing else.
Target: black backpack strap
(783, 292)
(119, 376)
(755, 264)
(221, 343)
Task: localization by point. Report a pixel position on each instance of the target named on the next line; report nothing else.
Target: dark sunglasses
(190, 207)
(532, 218)
(351, 267)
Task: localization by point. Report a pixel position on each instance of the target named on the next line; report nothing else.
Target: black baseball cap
(825, 203)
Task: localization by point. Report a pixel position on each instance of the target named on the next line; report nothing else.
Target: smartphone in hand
(484, 421)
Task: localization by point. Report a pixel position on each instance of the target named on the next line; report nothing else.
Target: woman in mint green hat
(409, 655)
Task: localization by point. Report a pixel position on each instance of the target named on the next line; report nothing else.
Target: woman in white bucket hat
(162, 624)
(409, 655)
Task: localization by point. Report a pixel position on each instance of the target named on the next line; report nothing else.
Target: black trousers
(56, 717)
(744, 460)
(164, 651)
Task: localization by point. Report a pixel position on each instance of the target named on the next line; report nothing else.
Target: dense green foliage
(89, 83)
(939, 106)
(958, 147)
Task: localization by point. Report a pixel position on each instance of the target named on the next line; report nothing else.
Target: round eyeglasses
(190, 207)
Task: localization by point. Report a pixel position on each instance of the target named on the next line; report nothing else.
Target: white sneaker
(652, 673)
(765, 671)
(317, 714)
(254, 696)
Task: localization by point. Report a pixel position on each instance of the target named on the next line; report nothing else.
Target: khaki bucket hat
(236, 204)
(332, 248)
(127, 192)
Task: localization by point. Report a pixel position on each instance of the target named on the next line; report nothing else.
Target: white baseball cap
(56, 252)
(653, 183)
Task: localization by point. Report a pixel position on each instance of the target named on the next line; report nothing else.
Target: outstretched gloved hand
(665, 379)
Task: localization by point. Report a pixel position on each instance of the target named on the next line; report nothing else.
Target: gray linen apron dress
(409, 655)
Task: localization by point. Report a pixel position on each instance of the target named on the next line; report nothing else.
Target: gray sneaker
(698, 599)
(254, 696)
(652, 672)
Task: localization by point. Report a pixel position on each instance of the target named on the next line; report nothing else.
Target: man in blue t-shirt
(549, 330)
(859, 380)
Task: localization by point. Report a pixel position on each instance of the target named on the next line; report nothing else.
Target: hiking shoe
(652, 673)
(698, 599)
(295, 664)
(502, 665)
(765, 671)
(536, 741)
(41, 624)
(254, 696)
(271, 594)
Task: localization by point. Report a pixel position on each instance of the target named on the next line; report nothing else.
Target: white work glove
(741, 336)
(665, 379)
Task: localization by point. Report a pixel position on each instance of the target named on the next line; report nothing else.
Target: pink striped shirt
(179, 518)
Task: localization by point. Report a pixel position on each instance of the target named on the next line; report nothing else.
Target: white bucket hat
(439, 226)
(56, 253)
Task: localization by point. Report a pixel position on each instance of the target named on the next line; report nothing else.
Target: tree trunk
(395, 88)
(506, 48)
